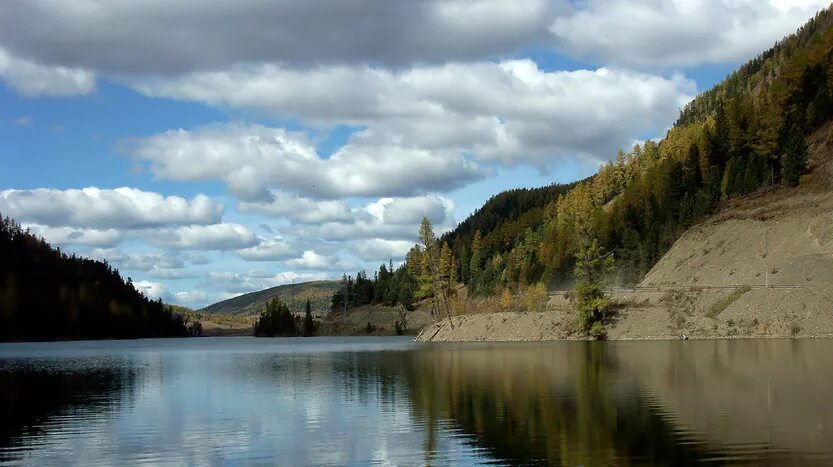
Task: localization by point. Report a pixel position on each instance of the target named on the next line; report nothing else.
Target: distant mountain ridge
(320, 294)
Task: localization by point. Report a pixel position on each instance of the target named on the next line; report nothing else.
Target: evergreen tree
(593, 304)
(476, 261)
(432, 267)
(795, 156)
(309, 324)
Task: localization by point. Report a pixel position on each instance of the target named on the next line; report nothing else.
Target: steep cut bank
(762, 266)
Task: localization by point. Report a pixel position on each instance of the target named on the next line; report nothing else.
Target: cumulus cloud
(231, 284)
(299, 209)
(159, 265)
(251, 159)
(386, 218)
(190, 297)
(662, 34)
(423, 127)
(121, 208)
(378, 249)
(224, 236)
(32, 79)
(271, 249)
(314, 261)
(77, 236)
(151, 289)
(153, 37)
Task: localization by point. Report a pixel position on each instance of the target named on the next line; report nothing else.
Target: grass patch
(724, 302)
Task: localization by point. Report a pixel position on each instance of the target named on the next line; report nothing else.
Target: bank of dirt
(761, 267)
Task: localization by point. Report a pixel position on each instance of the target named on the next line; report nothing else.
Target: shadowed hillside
(46, 295)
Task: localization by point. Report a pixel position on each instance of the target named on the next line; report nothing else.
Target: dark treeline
(46, 294)
(388, 286)
(277, 320)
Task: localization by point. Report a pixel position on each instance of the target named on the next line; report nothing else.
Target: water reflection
(669, 403)
(360, 401)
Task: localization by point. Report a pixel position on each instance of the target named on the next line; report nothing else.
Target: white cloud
(138, 261)
(674, 33)
(250, 159)
(314, 261)
(380, 250)
(235, 283)
(151, 289)
(423, 127)
(121, 208)
(386, 218)
(77, 236)
(272, 249)
(191, 297)
(225, 236)
(299, 209)
(31, 79)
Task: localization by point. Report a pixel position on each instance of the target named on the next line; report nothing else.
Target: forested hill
(46, 295)
(503, 217)
(746, 134)
(293, 295)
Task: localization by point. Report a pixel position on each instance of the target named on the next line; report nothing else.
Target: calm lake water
(358, 401)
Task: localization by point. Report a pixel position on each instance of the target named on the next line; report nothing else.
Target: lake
(389, 401)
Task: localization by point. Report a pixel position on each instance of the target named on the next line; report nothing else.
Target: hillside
(712, 282)
(746, 134)
(783, 239)
(687, 219)
(47, 295)
(320, 294)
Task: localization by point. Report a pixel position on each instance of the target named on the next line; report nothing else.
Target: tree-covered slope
(45, 294)
(319, 293)
(746, 134)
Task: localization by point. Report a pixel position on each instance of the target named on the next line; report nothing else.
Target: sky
(209, 148)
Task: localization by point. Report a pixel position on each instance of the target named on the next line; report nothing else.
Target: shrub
(535, 298)
(592, 304)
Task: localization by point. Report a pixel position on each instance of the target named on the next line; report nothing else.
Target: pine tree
(593, 266)
(476, 260)
(794, 163)
(432, 266)
(445, 264)
(309, 324)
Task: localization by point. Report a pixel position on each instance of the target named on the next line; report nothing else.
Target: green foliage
(593, 305)
(46, 294)
(388, 287)
(276, 320)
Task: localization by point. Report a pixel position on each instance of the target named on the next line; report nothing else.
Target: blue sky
(214, 148)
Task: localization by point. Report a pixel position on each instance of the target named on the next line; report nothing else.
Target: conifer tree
(795, 156)
(432, 266)
(476, 260)
(309, 324)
